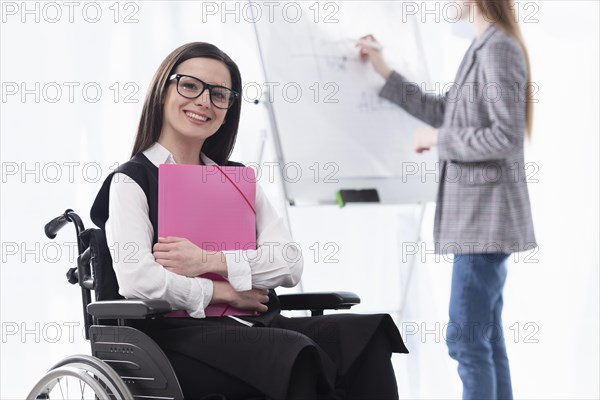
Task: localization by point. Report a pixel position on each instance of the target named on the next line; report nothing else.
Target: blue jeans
(474, 337)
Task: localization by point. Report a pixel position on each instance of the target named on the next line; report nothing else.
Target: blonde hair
(502, 12)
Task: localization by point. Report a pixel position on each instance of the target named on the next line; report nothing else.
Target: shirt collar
(158, 154)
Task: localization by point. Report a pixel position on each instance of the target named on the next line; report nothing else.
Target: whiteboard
(332, 129)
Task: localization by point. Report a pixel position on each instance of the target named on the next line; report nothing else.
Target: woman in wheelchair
(190, 116)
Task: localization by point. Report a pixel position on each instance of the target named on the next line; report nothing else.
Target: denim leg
(503, 381)
(477, 282)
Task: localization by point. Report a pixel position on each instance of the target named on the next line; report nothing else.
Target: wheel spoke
(60, 387)
(81, 388)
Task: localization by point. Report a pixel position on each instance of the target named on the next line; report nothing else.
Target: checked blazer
(482, 201)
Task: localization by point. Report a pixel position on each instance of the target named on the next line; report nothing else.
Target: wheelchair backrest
(105, 280)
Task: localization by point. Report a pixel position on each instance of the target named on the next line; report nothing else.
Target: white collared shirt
(277, 261)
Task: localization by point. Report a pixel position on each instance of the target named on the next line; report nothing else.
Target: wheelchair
(125, 362)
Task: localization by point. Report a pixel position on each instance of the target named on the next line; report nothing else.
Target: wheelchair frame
(126, 363)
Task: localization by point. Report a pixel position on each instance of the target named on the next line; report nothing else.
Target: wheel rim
(69, 382)
(112, 381)
(107, 383)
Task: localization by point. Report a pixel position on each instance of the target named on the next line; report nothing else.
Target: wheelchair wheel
(81, 377)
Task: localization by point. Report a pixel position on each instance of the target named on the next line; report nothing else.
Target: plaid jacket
(482, 202)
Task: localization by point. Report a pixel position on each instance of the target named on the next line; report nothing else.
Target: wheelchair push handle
(52, 227)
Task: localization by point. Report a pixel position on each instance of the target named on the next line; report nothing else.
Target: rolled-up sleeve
(277, 260)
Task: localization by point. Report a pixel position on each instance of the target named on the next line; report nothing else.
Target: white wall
(551, 298)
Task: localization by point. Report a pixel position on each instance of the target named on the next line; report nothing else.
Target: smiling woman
(191, 116)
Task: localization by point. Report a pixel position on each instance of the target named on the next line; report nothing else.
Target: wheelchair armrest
(128, 309)
(317, 302)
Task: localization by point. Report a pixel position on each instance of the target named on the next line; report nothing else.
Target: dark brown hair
(502, 12)
(219, 146)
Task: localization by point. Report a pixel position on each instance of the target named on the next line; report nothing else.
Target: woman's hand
(373, 54)
(182, 257)
(425, 139)
(253, 299)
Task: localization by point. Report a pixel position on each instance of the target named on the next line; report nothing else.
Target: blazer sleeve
(502, 82)
(427, 107)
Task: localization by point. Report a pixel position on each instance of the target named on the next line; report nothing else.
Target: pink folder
(211, 206)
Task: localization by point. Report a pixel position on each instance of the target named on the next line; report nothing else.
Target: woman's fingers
(256, 299)
(164, 246)
(265, 298)
(371, 50)
(363, 54)
(160, 254)
(365, 50)
(168, 264)
(261, 303)
(368, 37)
(262, 308)
(263, 295)
(167, 243)
(171, 239)
(425, 139)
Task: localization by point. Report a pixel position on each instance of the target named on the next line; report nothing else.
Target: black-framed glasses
(192, 88)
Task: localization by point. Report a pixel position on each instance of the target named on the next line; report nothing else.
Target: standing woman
(483, 212)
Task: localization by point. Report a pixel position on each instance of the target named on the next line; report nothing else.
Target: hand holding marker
(368, 44)
(370, 48)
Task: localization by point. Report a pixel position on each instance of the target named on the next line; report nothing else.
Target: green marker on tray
(356, 196)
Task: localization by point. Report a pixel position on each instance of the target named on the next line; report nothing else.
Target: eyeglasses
(192, 88)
